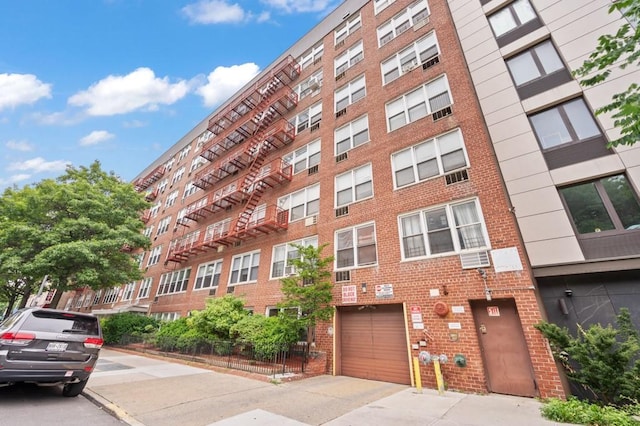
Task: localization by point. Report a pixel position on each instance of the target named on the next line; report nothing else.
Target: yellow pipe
(416, 373)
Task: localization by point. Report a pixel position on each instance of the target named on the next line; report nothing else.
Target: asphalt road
(30, 405)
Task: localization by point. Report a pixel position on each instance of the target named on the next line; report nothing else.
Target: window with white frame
(433, 157)
(354, 185)
(311, 56)
(380, 5)
(140, 259)
(311, 85)
(208, 275)
(217, 230)
(197, 162)
(352, 56)
(400, 23)
(204, 138)
(351, 135)
(427, 99)
(174, 282)
(354, 23)
(165, 316)
(169, 164)
(410, 57)
(80, 300)
(127, 294)
(189, 189)
(155, 209)
(145, 288)
(350, 93)
(304, 157)
(96, 297)
(308, 118)
(148, 231)
(111, 295)
(301, 204)
(446, 229)
(177, 175)
(154, 255)
(184, 152)
(88, 299)
(162, 185)
(244, 268)
(283, 253)
(163, 225)
(356, 247)
(511, 17)
(171, 198)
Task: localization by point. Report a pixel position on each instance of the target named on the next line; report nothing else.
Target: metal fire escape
(257, 122)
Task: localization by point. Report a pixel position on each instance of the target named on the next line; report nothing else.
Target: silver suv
(49, 347)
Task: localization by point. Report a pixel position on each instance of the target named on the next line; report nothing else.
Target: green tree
(604, 360)
(310, 288)
(618, 50)
(217, 318)
(81, 230)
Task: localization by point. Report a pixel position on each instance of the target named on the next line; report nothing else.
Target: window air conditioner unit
(410, 66)
(311, 220)
(314, 84)
(290, 270)
(420, 23)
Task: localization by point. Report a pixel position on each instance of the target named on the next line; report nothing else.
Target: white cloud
(96, 137)
(39, 164)
(20, 89)
(64, 118)
(263, 17)
(133, 124)
(14, 179)
(139, 90)
(214, 12)
(19, 146)
(296, 6)
(223, 82)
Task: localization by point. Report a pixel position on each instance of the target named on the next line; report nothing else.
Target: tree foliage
(310, 288)
(217, 318)
(618, 50)
(73, 229)
(604, 360)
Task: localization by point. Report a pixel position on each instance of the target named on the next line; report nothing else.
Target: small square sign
(493, 311)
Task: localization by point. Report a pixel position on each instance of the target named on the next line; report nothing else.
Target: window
(174, 282)
(177, 175)
(154, 256)
(202, 139)
(155, 210)
(171, 199)
(140, 259)
(145, 287)
(447, 229)
(537, 69)
(352, 135)
(80, 300)
(244, 268)
(163, 225)
(349, 27)
(87, 300)
(208, 275)
(162, 185)
(197, 162)
(354, 185)
(111, 295)
(308, 118)
(310, 85)
(607, 204)
(417, 12)
(283, 253)
(513, 21)
(349, 58)
(410, 57)
(96, 297)
(350, 93)
(301, 204)
(217, 230)
(311, 56)
(148, 231)
(380, 5)
(568, 134)
(127, 294)
(184, 153)
(433, 157)
(431, 97)
(189, 189)
(166, 316)
(356, 247)
(304, 157)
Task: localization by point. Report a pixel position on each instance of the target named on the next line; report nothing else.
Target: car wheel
(74, 389)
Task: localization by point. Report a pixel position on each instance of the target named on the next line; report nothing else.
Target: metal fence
(262, 359)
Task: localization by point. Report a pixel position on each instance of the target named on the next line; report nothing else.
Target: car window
(7, 323)
(61, 322)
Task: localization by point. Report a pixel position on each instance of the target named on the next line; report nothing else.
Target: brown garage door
(373, 343)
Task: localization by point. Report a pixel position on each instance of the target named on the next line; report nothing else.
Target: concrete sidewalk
(155, 392)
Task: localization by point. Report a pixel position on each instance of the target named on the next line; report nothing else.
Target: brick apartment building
(395, 133)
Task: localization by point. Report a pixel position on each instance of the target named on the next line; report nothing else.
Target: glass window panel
(397, 121)
(502, 22)
(440, 241)
(549, 57)
(313, 207)
(343, 197)
(523, 68)
(453, 160)
(417, 112)
(581, 119)
(405, 176)
(524, 10)
(550, 128)
(364, 190)
(425, 151)
(360, 138)
(587, 209)
(436, 219)
(427, 169)
(623, 200)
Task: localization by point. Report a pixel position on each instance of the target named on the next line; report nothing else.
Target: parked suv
(49, 347)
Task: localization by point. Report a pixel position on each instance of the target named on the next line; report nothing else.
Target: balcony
(145, 182)
(151, 195)
(220, 200)
(261, 222)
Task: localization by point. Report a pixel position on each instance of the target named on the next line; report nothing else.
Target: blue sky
(120, 81)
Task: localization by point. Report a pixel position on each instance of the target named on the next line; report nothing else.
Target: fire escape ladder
(256, 188)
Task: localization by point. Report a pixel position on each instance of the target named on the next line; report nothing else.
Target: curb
(110, 408)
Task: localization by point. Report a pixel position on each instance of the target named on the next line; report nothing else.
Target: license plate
(56, 347)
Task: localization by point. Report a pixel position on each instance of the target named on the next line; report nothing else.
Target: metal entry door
(504, 349)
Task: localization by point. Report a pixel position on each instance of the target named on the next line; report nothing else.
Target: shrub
(116, 326)
(585, 413)
(268, 335)
(220, 314)
(604, 360)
